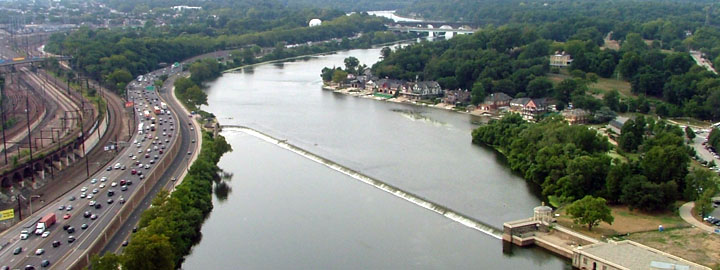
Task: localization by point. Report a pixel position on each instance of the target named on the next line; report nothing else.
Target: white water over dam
(417, 200)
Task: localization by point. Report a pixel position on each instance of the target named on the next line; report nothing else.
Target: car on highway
(45, 234)
(103, 179)
(89, 196)
(121, 200)
(133, 172)
(39, 251)
(113, 184)
(83, 189)
(45, 263)
(66, 216)
(61, 207)
(147, 166)
(71, 229)
(56, 244)
(17, 251)
(93, 181)
(125, 243)
(95, 190)
(72, 198)
(83, 195)
(69, 207)
(71, 239)
(87, 214)
(117, 166)
(109, 168)
(97, 206)
(110, 201)
(123, 188)
(84, 226)
(94, 216)
(91, 203)
(110, 193)
(102, 186)
(24, 234)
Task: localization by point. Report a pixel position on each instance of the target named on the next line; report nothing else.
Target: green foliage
(703, 205)
(101, 52)
(169, 228)
(464, 60)
(109, 261)
(339, 76)
(566, 161)
(148, 251)
(689, 133)
(590, 211)
(571, 162)
(714, 138)
(539, 87)
(698, 181)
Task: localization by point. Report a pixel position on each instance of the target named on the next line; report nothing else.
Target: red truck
(44, 223)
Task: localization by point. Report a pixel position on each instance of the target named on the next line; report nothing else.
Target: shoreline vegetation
(171, 226)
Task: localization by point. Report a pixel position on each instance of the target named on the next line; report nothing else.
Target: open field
(690, 243)
(626, 221)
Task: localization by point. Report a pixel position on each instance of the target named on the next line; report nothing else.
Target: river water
(287, 211)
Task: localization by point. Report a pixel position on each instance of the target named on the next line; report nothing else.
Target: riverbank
(356, 92)
(313, 55)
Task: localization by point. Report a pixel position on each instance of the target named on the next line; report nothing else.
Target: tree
(119, 78)
(196, 96)
(385, 52)
(109, 261)
(590, 211)
(351, 63)
(689, 133)
(327, 74)
(148, 252)
(612, 100)
(339, 76)
(478, 93)
(698, 181)
(539, 87)
(703, 205)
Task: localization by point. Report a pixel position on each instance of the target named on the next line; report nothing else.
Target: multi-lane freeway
(148, 149)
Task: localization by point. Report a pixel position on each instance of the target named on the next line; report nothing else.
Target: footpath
(686, 214)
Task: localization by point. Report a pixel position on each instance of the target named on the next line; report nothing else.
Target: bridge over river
(446, 30)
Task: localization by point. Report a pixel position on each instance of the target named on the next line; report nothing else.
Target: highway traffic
(82, 213)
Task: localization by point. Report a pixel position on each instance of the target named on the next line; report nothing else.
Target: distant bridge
(444, 30)
(33, 60)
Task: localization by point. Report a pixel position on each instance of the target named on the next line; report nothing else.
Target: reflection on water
(419, 116)
(221, 188)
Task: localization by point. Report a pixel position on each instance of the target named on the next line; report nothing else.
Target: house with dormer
(422, 90)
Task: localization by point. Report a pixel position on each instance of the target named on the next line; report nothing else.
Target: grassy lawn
(626, 221)
(689, 243)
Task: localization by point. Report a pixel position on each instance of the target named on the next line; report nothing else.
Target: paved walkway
(686, 214)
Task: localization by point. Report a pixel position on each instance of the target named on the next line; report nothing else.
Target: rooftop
(631, 255)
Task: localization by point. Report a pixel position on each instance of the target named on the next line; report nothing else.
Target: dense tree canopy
(571, 162)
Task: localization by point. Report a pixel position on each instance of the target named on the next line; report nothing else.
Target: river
(286, 211)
